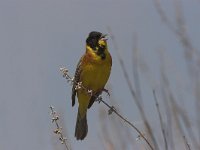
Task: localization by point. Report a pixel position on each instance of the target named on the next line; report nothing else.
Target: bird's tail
(81, 127)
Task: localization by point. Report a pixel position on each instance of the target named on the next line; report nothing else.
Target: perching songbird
(93, 71)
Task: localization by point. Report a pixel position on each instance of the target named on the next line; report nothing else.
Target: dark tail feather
(81, 127)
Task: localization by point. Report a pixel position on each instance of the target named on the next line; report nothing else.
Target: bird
(93, 71)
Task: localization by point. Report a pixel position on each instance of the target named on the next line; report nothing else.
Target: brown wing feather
(93, 98)
(76, 80)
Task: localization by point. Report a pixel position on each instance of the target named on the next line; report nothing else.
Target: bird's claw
(106, 91)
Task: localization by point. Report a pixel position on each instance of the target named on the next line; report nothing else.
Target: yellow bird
(93, 71)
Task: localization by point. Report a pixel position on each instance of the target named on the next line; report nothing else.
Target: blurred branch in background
(180, 29)
(192, 55)
(137, 97)
(161, 121)
(177, 118)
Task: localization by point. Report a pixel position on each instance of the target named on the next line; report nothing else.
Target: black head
(93, 39)
(97, 41)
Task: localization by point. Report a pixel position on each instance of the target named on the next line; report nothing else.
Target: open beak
(104, 37)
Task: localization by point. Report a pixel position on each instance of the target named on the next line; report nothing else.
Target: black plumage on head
(93, 38)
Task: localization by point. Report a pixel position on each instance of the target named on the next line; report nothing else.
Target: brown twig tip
(64, 71)
(100, 99)
(58, 130)
(78, 86)
(55, 119)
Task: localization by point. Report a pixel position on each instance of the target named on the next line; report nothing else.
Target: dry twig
(58, 129)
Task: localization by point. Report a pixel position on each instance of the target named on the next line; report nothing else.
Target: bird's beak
(104, 37)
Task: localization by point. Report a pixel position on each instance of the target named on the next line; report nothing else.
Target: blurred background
(157, 42)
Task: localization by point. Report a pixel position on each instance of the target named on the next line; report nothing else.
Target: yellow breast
(95, 76)
(96, 72)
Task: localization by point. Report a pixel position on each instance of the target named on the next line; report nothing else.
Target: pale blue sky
(39, 36)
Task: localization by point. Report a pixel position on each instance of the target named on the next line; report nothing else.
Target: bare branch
(58, 129)
(111, 108)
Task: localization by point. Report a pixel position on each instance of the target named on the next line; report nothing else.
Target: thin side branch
(58, 129)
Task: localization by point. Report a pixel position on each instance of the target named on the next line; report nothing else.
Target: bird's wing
(76, 80)
(93, 98)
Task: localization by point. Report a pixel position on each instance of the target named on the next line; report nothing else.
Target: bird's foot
(106, 91)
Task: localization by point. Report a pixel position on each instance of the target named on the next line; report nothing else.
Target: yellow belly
(95, 76)
(95, 72)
